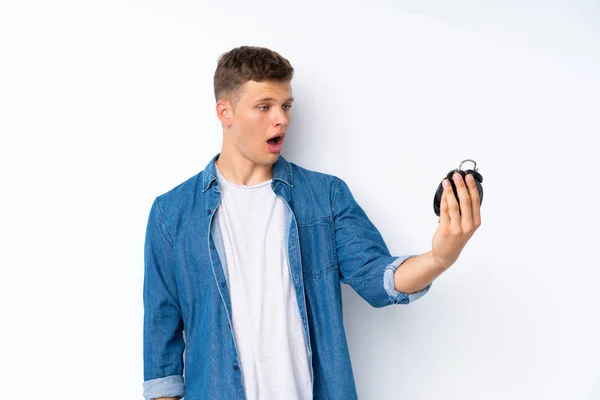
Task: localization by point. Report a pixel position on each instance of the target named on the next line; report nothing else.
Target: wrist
(439, 264)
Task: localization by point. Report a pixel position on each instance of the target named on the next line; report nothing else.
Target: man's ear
(224, 112)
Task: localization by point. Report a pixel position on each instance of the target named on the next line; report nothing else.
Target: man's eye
(265, 108)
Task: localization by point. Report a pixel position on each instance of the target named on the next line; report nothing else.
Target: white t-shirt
(266, 321)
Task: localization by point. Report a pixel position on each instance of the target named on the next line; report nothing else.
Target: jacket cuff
(170, 386)
(397, 297)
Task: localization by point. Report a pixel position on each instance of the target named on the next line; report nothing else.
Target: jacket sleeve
(163, 340)
(362, 254)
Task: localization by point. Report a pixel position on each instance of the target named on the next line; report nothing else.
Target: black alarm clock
(478, 180)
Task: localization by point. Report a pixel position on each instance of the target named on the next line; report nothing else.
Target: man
(246, 258)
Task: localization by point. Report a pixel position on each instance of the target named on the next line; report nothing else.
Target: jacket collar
(282, 171)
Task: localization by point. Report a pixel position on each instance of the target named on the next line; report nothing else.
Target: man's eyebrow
(272, 99)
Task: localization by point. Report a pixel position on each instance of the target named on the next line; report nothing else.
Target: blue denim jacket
(186, 298)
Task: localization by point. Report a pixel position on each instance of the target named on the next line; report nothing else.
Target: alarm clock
(440, 189)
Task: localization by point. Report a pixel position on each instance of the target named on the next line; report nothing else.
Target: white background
(106, 104)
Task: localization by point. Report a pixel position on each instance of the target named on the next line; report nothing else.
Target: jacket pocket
(317, 246)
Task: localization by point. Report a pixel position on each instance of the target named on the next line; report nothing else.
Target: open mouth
(274, 141)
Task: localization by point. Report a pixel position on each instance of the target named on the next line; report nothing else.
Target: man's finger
(453, 209)
(444, 216)
(475, 200)
(466, 221)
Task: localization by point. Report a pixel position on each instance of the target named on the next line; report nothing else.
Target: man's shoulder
(315, 187)
(178, 201)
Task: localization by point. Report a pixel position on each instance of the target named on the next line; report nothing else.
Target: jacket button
(235, 367)
(208, 211)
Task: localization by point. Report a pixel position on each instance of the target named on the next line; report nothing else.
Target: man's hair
(245, 63)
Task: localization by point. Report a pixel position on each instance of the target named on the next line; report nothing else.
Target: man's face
(263, 110)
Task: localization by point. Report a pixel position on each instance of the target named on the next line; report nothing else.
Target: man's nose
(281, 118)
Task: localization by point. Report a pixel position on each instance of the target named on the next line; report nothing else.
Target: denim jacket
(187, 304)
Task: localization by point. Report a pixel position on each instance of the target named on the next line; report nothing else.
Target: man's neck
(242, 171)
